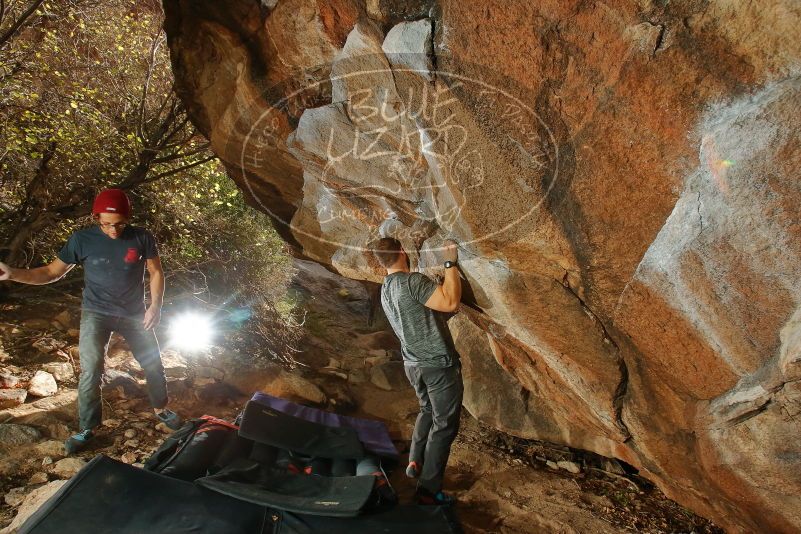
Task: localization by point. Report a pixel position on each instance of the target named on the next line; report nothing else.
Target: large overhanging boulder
(623, 181)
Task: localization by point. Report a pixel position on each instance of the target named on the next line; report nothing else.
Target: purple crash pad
(373, 434)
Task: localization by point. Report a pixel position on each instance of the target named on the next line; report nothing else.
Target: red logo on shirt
(132, 256)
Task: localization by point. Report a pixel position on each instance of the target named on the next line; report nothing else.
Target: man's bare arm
(447, 296)
(156, 273)
(38, 276)
(153, 312)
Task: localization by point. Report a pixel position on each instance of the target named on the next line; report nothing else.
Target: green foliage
(287, 305)
(76, 87)
(221, 254)
(205, 226)
(87, 102)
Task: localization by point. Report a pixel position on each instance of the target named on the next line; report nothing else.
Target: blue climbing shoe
(170, 418)
(78, 441)
(440, 498)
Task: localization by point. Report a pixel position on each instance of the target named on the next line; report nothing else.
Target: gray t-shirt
(114, 269)
(423, 332)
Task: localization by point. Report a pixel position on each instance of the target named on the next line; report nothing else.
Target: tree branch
(178, 155)
(154, 46)
(164, 140)
(176, 170)
(20, 22)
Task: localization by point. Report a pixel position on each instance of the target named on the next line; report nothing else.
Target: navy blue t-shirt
(114, 269)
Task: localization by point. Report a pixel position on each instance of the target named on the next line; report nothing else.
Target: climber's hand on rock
(450, 252)
(5, 271)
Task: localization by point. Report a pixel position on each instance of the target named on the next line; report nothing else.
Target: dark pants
(96, 332)
(439, 391)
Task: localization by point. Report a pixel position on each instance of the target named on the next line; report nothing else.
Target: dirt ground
(502, 484)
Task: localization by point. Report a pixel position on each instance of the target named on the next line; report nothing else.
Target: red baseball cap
(112, 201)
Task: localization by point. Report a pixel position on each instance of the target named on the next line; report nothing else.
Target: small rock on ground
(12, 435)
(7, 380)
(357, 376)
(15, 496)
(334, 371)
(50, 448)
(36, 323)
(38, 478)
(161, 427)
(209, 372)
(67, 467)
(43, 384)
(48, 344)
(571, 467)
(174, 364)
(33, 501)
(291, 386)
(58, 431)
(64, 319)
(10, 398)
(61, 371)
(377, 359)
(118, 383)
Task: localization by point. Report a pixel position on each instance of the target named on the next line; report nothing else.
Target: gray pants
(95, 334)
(439, 391)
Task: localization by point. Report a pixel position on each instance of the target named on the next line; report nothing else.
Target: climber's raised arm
(446, 297)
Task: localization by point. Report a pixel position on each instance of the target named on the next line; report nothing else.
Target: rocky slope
(504, 484)
(623, 179)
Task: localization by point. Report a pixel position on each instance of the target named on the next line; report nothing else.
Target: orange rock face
(622, 178)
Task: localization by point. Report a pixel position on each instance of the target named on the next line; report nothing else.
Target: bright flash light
(191, 331)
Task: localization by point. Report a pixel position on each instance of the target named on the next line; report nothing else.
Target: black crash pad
(398, 520)
(268, 486)
(110, 497)
(264, 424)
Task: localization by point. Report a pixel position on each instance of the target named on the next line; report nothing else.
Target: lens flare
(191, 331)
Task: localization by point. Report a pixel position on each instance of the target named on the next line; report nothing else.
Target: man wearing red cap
(114, 255)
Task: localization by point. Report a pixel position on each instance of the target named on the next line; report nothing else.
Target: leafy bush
(221, 254)
(87, 102)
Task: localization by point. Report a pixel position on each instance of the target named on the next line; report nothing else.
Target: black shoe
(77, 442)
(171, 419)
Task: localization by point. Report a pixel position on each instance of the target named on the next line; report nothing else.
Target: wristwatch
(449, 264)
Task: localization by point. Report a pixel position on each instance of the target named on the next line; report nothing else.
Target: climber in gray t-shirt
(423, 332)
(418, 308)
